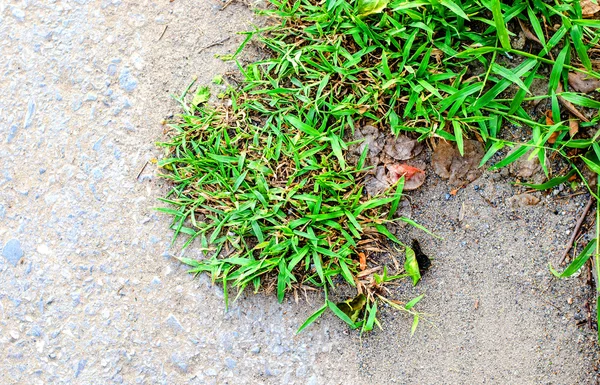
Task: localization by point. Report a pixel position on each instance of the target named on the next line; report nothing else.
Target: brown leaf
(448, 163)
(442, 157)
(580, 82)
(375, 184)
(550, 122)
(525, 167)
(523, 200)
(568, 105)
(363, 261)
(573, 127)
(402, 147)
(413, 177)
(588, 8)
(528, 33)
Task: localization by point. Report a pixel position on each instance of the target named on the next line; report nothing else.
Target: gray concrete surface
(90, 293)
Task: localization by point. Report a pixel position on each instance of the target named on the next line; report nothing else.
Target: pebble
(35, 331)
(180, 362)
(12, 251)
(79, 368)
(12, 132)
(210, 372)
(127, 81)
(29, 114)
(174, 323)
(14, 335)
(230, 363)
(19, 14)
(43, 250)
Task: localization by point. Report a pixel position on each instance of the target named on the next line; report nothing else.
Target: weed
(265, 185)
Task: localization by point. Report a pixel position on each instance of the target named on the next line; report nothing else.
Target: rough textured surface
(96, 297)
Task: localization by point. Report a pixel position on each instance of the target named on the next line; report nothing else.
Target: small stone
(127, 81)
(255, 350)
(76, 105)
(12, 251)
(14, 335)
(80, 366)
(210, 372)
(35, 331)
(44, 250)
(19, 14)
(29, 115)
(174, 323)
(12, 132)
(230, 363)
(570, 301)
(180, 362)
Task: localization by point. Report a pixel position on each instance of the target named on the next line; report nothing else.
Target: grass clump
(264, 184)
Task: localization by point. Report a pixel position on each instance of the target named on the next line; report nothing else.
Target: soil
(90, 292)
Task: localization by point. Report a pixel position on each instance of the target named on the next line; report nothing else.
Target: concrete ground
(90, 292)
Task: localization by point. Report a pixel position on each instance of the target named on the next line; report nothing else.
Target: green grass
(265, 187)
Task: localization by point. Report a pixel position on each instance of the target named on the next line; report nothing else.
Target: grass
(264, 185)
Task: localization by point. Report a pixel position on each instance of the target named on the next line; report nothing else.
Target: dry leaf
(372, 139)
(413, 177)
(448, 163)
(525, 167)
(363, 261)
(568, 105)
(523, 200)
(550, 122)
(402, 147)
(375, 184)
(588, 8)
(573, 127)
(528, 34)
(580, 82)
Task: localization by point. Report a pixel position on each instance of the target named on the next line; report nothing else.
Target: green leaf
(577, 263)
(372, 313)
(312, 318)
(594, 166)
(202, 95)
(551, 183)
(412, 266)
(580, 100)
(415, 323)
(500, 25)
(353, 306)
(557, 69)
(413, 302)
(369, 7)
(454, 8)
(509, 75)
(580, 48)
(340, 314)
(294, 121)
(458, 134)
